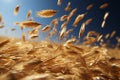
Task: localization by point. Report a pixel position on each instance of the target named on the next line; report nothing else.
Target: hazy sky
(112, 23)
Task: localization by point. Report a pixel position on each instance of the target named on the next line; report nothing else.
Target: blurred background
(112, 22)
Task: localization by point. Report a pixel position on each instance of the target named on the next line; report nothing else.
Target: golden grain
(29, 24)
(29, 14)
(46, 28)
(103, 24)
(99, 38)
(78, 19)
(88, 21)
(48, 13)
(81, 31)
(106, 36)
(89, 7)
(33, 36)
(112, 34)
(71, 14)
(63, 18)
(106, 15)
(64, 25)
(103, 6)
(68, 7)
(54, 22)
(62, 32)
(16, 10)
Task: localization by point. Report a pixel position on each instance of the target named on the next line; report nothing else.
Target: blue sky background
(112, 23)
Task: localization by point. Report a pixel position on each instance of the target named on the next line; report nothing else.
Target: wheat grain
(106, 15)
(90, 6)
(16, 10)
(29, 14)
(68, 7)
(63, 18)
(81, 31)
(46, 28)
(48, 13)
(78, 19)
(103, 6)
(88, 21)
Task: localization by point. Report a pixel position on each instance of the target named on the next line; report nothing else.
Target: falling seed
(71, 14)
(34, 31)
(68, 7)
(23, 37)
(78, 19)
(88, 21)
(29, 14)
(0, 18)
(29, 24)
(48, 13)
(112, 34)
(90, 6)
(33, 36)
(81, 31)
(106, 15)
(16, 10)
(54, 22)
(63, 18)
(59, 2)
(106, 36)
(99, 38)
(64, 25)
(103, 6)
(46, 28)
(62, 32)
(103, 24)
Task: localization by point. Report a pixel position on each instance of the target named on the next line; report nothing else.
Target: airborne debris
(103, 6)
(81, 31)
(29, 14)
(48, 13)
(16, 10)
(68, 7)
(46, 28)
(90, 6)
(78, 19)
(63, 18)
(71, 14)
